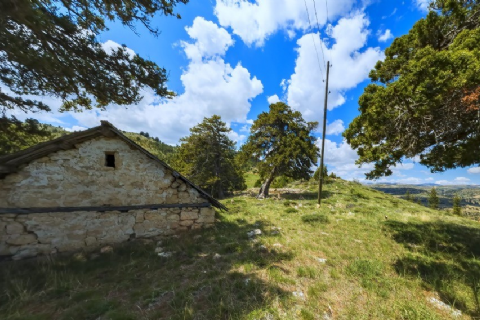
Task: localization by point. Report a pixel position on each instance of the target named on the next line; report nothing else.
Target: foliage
(158, 148)
(282, 144)
(280, 182)
(51, 48)
(316, 175)
(457, 208)
(425, 96)
(408, 196)
(433, 199)
(207, 157)
(27, 134)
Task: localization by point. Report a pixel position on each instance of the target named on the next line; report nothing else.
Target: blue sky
(233, 57)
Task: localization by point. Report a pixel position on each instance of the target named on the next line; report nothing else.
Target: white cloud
(474, 170)
(210, 40)
(423, 4)
(273, 99)
(212, 86)
(456, 181)
(109, 46)
(238, 138)
(384, 37)
(254, 21)
(410, 180)
(334, 128)
(75, 128)
(350, 67)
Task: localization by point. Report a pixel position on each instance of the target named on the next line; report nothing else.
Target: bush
(315, 218)
(258, 183)
(291, 210)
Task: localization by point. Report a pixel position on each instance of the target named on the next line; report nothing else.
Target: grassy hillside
(362, 255)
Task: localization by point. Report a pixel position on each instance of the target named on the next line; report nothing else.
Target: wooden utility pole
(320, 182)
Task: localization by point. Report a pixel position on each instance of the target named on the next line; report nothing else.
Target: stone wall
(79, 177)
(35, 234)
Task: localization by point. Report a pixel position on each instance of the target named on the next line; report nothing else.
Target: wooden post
(320, 182)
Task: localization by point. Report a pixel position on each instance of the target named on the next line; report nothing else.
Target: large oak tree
(281, 143)
(51, 48)
(424, 99)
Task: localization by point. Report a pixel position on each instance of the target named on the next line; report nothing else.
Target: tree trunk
(221, 195)
(265, 188)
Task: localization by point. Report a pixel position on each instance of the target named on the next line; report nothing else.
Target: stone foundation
(29, 235)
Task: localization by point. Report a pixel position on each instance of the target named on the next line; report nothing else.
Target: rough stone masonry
(80, 177)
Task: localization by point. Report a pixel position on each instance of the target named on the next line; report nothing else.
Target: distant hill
(158, 148)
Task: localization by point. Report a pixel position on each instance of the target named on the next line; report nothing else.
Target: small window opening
(110, 159)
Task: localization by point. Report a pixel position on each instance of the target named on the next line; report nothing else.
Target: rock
(253, 233)
(106, 249)
(90, 241)
(262, 248)
(443, 306)
(275, 232)
(358, 241)
(324, 233)
(277, 245)
(165, 254)
(21, 239)
(216, 256)
(15, 228)
(299, 294)
(158, 250)
(196, 237)
(321, 260)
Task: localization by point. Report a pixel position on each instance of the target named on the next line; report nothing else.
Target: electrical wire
(319, 32)
(313, 39)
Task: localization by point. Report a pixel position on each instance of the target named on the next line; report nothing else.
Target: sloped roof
(12, 162)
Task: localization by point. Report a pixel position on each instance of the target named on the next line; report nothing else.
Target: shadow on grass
(306, 195)
(134, 282)
(445, 257)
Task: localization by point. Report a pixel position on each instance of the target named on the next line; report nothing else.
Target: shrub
(291, 210)
(315, 218)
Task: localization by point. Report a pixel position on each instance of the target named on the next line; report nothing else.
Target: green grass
(384, 257)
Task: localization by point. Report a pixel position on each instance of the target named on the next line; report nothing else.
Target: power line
(326, 7)
(313, 39)
(319, 32)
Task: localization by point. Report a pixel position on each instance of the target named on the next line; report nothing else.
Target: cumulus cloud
(340, 158)
(474, 170)
(210, 40)
(254, 21)
(351, 66)
(211, 85)
(273, 99)
(456, 181)
(385, 36)
(334, 128)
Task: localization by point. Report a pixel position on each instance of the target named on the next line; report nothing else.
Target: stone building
(92, 188)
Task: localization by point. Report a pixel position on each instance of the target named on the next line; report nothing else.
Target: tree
(408, 196)
(425, 99)
(316, 175)
(50, 47)
(457, 208)
(207, 157)
(27, 134)
(281, 141)
(433, 200)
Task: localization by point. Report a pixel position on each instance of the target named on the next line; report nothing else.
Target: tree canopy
(424, 99)
(50, 48)
(207, 157)
(282, 144)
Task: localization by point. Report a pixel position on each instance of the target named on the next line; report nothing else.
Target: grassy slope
(376, 268)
